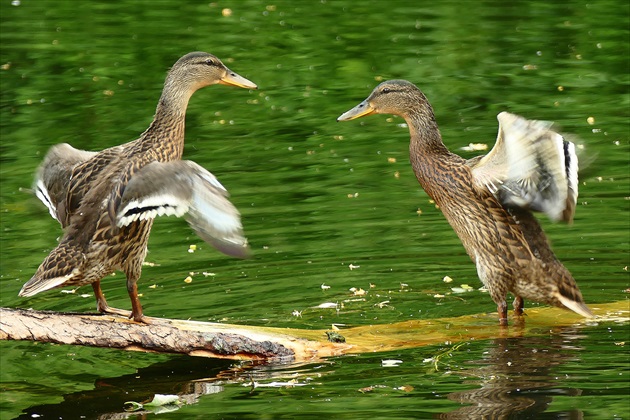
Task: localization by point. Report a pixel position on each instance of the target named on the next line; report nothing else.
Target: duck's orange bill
(361, 110)
(233, 79)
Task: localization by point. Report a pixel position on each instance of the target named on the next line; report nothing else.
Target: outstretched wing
(53, 178)
(531, 167)
(183, 188)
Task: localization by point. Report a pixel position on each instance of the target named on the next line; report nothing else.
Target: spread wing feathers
(531, 167)
(53, 178)
(183, 188)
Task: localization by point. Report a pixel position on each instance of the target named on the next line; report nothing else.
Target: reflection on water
(180, 376)
(517, 378)
(188, 378)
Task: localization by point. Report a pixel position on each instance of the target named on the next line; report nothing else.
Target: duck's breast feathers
(183, 188)
(530, 166)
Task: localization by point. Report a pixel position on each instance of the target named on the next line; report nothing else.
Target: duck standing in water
(106, 201)
(487, 199)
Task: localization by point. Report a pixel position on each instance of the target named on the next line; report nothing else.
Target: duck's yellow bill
(233, 79)
(361, 110)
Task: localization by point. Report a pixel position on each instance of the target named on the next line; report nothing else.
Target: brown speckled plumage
(487, 200)
(106, 201)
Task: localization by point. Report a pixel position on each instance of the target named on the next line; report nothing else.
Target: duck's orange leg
(502, 309)
(518, 306)
(136, 312)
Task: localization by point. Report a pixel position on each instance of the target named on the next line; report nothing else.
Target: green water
(318, 197)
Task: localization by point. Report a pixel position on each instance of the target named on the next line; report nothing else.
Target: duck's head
(199, 69)
(397, 97)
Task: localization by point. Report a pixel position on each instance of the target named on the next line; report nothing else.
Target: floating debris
(324, 287)
(358, 292)
(192, 248)
(327, 305)
(159, 400)
(462, 289)
(352, 266)
(447, 279)
(276, 384)
(188, 279)
(150, 264)
(353, 300)
(391, 362)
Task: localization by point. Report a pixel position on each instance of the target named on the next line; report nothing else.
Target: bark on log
(161, 335)
(243, 342)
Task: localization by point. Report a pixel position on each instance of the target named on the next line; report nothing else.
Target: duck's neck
(165, 135)
(426, 140)
(427, 152)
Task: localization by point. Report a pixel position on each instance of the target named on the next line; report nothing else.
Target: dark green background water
(317, 196)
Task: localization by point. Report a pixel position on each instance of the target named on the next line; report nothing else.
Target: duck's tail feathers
(61, 267)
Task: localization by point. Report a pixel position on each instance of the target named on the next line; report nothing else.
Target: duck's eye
(210, 62)
(386, 90)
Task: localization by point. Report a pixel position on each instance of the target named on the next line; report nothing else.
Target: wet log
(161, 335)
(242, 342)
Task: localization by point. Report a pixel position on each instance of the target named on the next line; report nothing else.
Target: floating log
(161, 335)
(241, 342)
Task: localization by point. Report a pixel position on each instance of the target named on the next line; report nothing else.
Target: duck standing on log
(488, 199)
(106, 201)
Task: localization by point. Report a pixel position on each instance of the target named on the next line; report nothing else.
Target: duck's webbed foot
(103, 307)
(115, 311)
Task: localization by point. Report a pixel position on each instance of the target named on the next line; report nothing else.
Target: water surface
(322, 202)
